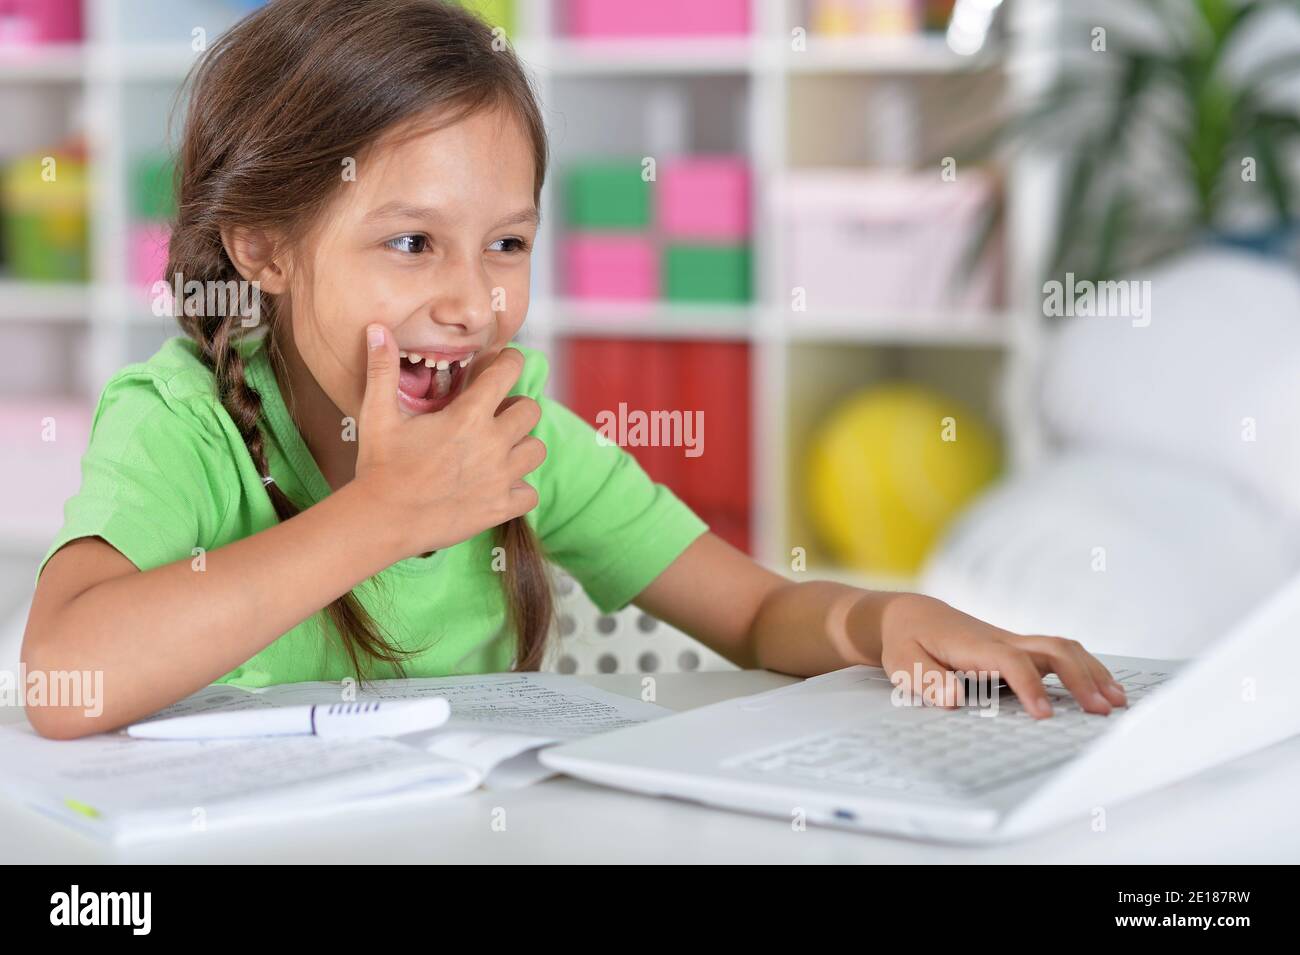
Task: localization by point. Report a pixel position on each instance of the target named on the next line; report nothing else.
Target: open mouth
(429, 382)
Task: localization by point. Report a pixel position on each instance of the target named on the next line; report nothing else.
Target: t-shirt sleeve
(146, 477)
(599, 514)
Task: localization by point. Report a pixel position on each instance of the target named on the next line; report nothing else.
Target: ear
(255, 254)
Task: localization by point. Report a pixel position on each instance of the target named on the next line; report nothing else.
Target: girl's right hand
(441, 478)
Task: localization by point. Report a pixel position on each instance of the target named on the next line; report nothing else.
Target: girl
(373, 447)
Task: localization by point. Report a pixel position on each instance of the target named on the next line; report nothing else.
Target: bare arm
(159, 635)
(756, 618)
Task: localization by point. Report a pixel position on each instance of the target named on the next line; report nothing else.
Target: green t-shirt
(166, 472)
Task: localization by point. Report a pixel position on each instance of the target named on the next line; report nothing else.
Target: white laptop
(837, 750)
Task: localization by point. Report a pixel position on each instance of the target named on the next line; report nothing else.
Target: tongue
(415, 379)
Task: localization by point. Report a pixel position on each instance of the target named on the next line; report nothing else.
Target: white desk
(1243, 812)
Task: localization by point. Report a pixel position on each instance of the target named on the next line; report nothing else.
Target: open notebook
(129, 790)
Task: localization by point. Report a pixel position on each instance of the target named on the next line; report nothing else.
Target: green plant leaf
(1078, 184)
(1030, 121)
(1269, 165)
(1247, 11)
(1275, 68)
(1110, 237)
(1174, 86)
(1218, 15)
(990, 223)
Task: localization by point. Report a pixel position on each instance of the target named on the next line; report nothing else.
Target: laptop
(839, 749)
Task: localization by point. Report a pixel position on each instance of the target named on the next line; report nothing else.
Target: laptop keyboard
(962, 754)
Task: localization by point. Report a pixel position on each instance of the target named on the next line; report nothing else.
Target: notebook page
(217, 696)
(551, 705)
(113, 780)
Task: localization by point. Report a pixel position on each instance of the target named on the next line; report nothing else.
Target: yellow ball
(889, 469)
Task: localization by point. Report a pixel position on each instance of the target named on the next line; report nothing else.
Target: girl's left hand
(918, 630)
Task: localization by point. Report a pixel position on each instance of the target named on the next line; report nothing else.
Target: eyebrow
(402, 210)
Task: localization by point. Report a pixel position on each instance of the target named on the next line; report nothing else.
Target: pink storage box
(867, 243)
(40, 475)
(647, 18)
(31, 22)
(704, 197)
(611, 266)
(147, 253)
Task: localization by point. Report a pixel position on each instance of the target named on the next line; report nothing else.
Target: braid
(527, 591)
(525, 585)
(325, 63)
(244, 405)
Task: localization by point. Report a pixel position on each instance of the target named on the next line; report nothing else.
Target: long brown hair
(276, 106)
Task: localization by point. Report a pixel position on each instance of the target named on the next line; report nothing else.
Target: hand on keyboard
(925, 643)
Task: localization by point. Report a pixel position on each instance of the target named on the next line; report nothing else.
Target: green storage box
(607, 195)
(45, 222)
(498, 13)
(706, 273)
(153, 198)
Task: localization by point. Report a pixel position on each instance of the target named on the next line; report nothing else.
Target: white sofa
(1171, 502)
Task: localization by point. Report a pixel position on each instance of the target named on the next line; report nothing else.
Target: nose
(464, 295)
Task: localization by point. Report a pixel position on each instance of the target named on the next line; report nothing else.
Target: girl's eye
(414, 244)
(513, 244)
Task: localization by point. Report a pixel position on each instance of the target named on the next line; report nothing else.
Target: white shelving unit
(765, 71)
(732, 95)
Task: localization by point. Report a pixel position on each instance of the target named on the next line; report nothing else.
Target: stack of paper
(127, 789)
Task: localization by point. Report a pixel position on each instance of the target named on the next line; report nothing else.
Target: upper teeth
(441, 365)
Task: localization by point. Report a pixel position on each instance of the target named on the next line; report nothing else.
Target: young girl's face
(433, 239)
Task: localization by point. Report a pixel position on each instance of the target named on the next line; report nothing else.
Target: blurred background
(993, 300)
